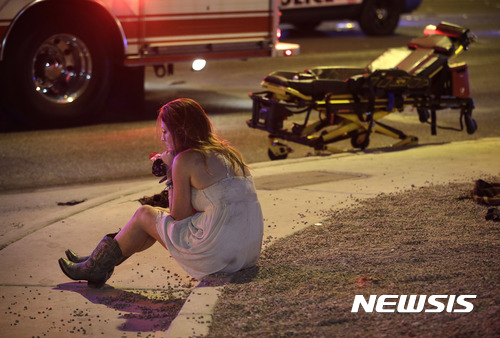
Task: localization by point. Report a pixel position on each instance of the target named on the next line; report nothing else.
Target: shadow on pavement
(145, 313)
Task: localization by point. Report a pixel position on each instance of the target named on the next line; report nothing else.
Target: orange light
(278, 33)
(430, 30)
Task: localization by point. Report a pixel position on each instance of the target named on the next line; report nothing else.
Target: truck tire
(57, 74)
(380, 17)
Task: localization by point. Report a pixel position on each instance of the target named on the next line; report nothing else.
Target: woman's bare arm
(180, 195)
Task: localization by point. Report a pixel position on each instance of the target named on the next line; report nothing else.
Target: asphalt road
(118, 146)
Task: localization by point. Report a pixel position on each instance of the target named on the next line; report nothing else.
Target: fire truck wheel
(58, 75)
(380, 17)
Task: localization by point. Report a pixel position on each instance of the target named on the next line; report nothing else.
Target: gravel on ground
(428, 241)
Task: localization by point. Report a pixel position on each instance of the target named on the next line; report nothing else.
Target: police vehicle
(375, 17)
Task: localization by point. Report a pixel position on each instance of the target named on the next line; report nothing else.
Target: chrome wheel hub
(62, 68)
(382, 14)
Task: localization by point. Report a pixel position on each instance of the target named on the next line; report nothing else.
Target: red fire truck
(59, 58)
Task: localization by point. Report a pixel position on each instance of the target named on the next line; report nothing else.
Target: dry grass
(430, 241)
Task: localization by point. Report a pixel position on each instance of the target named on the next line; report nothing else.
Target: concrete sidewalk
(149, 292)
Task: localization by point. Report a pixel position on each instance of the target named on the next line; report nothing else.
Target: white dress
(224, 236)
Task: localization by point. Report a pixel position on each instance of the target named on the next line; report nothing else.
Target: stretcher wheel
(471, 125)
(278, 151)
(423, 115)
(274, 157)
(361, 140)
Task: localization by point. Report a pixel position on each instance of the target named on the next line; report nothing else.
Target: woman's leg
(140, 232)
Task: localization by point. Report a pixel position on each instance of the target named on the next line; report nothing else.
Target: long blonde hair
(191, 128)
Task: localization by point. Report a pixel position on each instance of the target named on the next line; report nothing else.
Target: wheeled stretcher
(351, 101)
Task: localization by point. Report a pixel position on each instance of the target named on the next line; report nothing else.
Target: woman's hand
(168, 158)
(154, 156)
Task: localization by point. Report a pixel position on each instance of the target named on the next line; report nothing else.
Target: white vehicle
(375, 17)
(59, 58)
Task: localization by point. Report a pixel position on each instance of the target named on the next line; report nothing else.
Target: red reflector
(288, 52)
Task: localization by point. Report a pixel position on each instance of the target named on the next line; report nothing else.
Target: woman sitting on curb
(215, 221)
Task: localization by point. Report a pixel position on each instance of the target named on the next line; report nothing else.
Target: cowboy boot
(75, 258)
(98, 267)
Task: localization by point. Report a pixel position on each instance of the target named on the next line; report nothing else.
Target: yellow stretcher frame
(343, 110)
(348, 124)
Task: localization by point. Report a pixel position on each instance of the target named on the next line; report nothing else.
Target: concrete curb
(195, 317)
(197, 312)
(34, 302)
